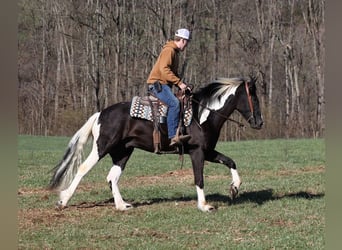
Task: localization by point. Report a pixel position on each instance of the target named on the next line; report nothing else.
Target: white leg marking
(236, 178)
(113, 177)
(202, 204)
(83, 169)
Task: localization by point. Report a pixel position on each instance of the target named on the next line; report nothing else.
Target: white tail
(66, 170)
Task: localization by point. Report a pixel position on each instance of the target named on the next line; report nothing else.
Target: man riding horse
(163, 76)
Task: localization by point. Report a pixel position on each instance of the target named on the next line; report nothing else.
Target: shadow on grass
(258, 197)
(262, 196)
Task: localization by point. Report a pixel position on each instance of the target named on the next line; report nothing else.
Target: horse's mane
(214, 95)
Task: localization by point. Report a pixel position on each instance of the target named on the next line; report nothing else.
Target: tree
(313, 15)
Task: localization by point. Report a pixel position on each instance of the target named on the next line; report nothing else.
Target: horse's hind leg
(114, 176)
(83, 169)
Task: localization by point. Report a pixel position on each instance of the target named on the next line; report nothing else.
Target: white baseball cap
(183, 33)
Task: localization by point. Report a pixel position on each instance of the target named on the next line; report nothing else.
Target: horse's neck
(217, 120)
(221, 117)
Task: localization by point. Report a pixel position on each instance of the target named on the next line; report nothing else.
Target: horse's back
(114, 118)
(111, 112)
(117, 127)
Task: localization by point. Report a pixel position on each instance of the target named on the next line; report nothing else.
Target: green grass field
(281, 204)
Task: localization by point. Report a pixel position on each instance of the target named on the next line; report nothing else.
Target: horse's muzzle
(255, 123)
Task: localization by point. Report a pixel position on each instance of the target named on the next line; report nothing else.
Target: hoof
(124, 207)
(211, 209)
(128, 206)
(59, 206)
(207, 208)
(234, 191)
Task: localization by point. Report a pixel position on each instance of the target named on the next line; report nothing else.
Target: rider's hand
(187, 90)
(182, 86)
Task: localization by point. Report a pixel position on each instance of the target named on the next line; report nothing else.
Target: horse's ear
(252, 83)
(253, 78)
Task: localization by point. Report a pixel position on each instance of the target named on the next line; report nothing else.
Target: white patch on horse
(201, 202)
(215, 103)
(113, 178)
(236, 178)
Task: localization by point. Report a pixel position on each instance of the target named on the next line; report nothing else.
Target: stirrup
(179, 140)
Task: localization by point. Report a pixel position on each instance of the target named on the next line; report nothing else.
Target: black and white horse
(116, 133)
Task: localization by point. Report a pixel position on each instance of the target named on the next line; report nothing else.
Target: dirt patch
(281, 223)
(149, 233)
(290, 172)
(308, 169)
(175, 177)
(50, 217)
(38, 217)
(33, 191)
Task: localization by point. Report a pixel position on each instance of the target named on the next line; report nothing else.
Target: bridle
(250, 103)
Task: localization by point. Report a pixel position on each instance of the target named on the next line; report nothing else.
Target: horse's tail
(66, 170)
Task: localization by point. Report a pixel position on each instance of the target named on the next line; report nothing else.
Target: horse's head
(248, 104)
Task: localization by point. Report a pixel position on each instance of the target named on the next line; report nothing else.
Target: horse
(116, 133)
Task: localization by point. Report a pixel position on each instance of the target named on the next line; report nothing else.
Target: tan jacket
(166, 67)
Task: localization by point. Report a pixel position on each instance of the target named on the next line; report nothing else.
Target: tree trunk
(314, 19)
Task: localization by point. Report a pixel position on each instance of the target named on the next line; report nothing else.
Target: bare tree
(313, 15)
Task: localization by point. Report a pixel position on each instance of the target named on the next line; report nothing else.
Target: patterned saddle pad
(141, 108)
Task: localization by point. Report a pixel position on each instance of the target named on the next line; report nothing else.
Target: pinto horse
(116, 133)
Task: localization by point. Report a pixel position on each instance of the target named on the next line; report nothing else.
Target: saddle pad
(142, 109)
(187, 117)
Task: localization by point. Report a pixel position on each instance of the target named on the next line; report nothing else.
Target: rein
(241, 125)
(249, 101)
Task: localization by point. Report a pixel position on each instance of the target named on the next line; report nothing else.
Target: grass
(281, 203)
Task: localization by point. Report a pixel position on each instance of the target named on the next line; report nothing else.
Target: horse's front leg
(217, 157)
(197, 159)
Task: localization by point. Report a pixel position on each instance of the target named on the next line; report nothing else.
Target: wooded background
(76, 57)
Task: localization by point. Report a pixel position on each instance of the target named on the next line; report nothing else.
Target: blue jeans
(167, 96)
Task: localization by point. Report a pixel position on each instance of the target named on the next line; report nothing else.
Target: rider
(164, 75)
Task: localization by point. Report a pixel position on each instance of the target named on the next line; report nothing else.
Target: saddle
(152, 109)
